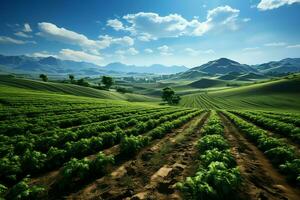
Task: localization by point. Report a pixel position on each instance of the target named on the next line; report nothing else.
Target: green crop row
(281, 154)
(276, 126)
(217, 176)
(14, 167)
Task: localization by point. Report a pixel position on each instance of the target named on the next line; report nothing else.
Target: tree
(175, 99)
(169, 96)
(44, 77)
(82, 82)
(71, 77)
(107, 81)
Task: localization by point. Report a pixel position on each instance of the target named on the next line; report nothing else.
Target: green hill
(279, 94)
(207, 83)
(71, 89)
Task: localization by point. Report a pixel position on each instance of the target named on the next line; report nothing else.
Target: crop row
(13, 167)
(76, 172)
(59, 137)
(295, 120)
(33, 111)
(40, 125)
(276, 126)
(281, 154)
(217, 176)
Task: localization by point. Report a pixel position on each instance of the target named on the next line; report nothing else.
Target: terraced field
(56, 146)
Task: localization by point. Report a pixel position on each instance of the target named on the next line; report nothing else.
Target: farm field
(283, 94)
(56, 146)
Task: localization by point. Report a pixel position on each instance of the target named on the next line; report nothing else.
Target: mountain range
(222, 66)
(226, 68)
(52, 65)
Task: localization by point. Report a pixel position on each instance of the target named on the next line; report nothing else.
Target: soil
(260, 179)
(153, 173)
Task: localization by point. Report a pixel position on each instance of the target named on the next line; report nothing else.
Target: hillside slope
(71, 89)
(281, 94)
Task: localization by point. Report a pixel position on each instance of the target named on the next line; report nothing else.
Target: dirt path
(154, 171)
(261, 180)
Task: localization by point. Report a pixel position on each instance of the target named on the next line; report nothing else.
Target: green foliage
(214, 155)
(72, 78)
(292, 169)
(169, 96)
(217, 177)
(107, 81)
(280, 155)
(83, 82)
(279, 152)
(210, 142)
(44, 77)
(22, 191)
(216, 182)
(130, 145)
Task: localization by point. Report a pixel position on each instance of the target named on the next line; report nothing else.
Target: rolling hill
(207, 83)
(276, 95)
(71, 89)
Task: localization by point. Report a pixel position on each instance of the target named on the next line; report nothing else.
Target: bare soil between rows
(153, 173)
(260, 179)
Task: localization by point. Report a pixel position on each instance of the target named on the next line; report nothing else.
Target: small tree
(169, 96)
(175, 99)
(83, 82)
(44, 77)
(107, 81)
(72, 78)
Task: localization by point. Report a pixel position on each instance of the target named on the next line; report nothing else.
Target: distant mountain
(52, 65)
(153, 69)
(224, 66)
(282, 66)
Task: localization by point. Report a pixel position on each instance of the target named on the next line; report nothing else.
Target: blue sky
(144, 32)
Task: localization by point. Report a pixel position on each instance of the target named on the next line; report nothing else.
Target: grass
(71, 89)
(281, 94)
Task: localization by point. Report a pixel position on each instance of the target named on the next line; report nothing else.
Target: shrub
(130, 145)
(210, 142)
(23, 191)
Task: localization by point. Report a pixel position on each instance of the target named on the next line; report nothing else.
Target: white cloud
(194, 52)
(52, 32)
(22, 34)
(43, 54)
(293, 46)
(246, 19)
(126, 40)
(148, 50)
(273, 4)
(27, 28)
(131, 51)
(9, 40)
(165, 50)
(115, 24)
(151, 26)
(275, 44)
(251, 49)
(79, 56)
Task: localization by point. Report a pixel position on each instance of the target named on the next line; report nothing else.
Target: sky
(145, 32)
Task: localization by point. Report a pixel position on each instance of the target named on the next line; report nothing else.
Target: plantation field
(58, 146)
(276, 95)
(62, 88)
